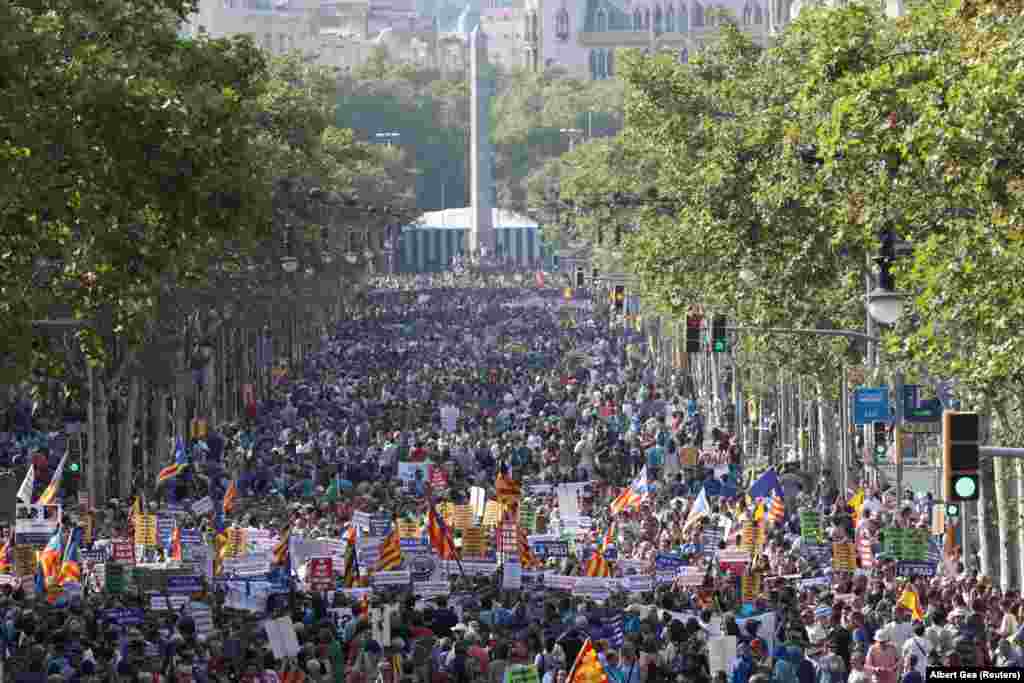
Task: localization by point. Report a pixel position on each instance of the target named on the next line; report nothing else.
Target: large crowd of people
(466, 484)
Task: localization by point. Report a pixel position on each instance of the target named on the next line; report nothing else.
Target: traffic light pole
(897, 433)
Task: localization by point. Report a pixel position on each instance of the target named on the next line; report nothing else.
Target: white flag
(25, 492)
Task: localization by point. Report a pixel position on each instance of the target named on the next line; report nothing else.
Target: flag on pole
(7, 556)
(390, 557)
(50, 494)
(701, 509)
(281, 554)
(27, 485)
(633, 496)
(229, 497)
(170, 472)
(597, 565)
(777, 510)
(175, 551)
(909, 600)
(71, 566)
(587, 668)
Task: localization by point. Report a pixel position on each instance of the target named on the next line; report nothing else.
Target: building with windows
(339, 33)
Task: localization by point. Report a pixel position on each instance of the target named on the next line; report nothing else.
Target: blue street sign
(871, 404)
(917, 410)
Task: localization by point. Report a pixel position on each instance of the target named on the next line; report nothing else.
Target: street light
(289, 264)
(748, 276)
(884, 306)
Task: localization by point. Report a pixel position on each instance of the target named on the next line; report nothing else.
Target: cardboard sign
(844, 557)
(474, 542)
(35, 524)
(750, 587)
(145, 530)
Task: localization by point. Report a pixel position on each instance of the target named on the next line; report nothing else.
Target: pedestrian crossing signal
(619, 298)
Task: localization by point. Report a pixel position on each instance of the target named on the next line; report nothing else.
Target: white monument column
(481, 234)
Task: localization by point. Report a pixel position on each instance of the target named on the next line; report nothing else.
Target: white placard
(203, 506)
(596, 588)
(478, 500)
(380, 623)
(638, 584)
(397, 578)
(691, 576)
(252, 564)
(721, 653)
(35, 523)
(171, 603)
(431, 589)
(471, 568)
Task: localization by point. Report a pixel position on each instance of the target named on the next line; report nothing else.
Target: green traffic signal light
(952, 510)
(720, 346)
(74, 467)
(965, 486)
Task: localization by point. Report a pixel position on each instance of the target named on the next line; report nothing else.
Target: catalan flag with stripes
(175, 550)
(7, 556)
(609, 537)
(527, 560)
(776, 510)
(50, 558)
(229, 497)
(633, 496)
(390, 557)
(49, 496)
(587, 668)
(281, 553)
(71, 566)
(170, 472)
(136, 510)
(597, 566)
(440, 536)
(507, 490)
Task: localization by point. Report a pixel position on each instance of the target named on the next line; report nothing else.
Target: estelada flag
(597, 566)
(587, 668)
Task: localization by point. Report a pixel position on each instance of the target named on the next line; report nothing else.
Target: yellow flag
(759, 512)
(909, 600)
(857, 503)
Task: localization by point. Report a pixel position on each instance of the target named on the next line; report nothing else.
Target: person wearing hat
(883, 659)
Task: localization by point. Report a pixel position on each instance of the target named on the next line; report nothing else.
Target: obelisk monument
(482, 238)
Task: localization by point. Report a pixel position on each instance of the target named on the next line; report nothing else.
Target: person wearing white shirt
(918, 645)
(901, 629)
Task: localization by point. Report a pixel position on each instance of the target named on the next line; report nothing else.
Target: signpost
(871, 404)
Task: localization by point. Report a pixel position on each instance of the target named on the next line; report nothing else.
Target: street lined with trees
(765, 183)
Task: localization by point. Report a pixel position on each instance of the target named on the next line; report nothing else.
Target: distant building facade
(438, 237)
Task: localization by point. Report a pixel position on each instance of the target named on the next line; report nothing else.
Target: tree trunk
(182, 386)
(826, 436)
(986, 490)
(1003, 474)
(125, 439)
(102, 450)
(162, 445)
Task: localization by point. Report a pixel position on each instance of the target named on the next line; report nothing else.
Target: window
(698, 15)
(670, 20)
(610, 63)
(601, 21)
(758, 14)
(593, 65)
(562, 24)
(602, 64)
(647, 20)
(659, 21)
(638, 20)
(684, 18)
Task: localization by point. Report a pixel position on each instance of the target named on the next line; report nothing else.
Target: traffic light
(960, 450)
(952, 512)
(619, 298)
(581, 278)
(693, 324)
(69, 481)
(719, 339)
(881, 440)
